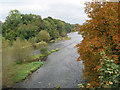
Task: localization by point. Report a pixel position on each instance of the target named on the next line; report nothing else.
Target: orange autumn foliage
(76, 27)
(101, 32)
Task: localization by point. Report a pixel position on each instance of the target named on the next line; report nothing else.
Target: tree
(10, 25)
(27, 26)
(76, 27)
(99, 33)
(13, 19)
(27, 31)
(32, 40)
(68, 27)
(55, 34)
(43, 35)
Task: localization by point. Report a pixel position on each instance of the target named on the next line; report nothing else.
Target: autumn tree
(100, 33)
(76, 27)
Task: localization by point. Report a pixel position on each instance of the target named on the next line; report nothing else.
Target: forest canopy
(28, 26)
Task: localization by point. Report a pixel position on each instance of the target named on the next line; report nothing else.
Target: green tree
(13, 19)
(29, 18)
(27, 26)
(32, 40)
(10, 25)
(26, 31)
(43, 35)
(46, 25)
(56, 33)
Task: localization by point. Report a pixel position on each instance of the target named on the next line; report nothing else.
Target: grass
(14, 73)
(37, 57)
(52, 41)
(55, 50)
(33, 58)
(21, 71)
(48, 53)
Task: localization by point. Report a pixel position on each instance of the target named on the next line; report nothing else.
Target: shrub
(22, 50)
(41, 44)
(52, 41)
(43, 50)
(43, 36)
(109, 72)
(55, 50)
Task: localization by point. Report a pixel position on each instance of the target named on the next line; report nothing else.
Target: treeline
(100, 47)
(28, 26)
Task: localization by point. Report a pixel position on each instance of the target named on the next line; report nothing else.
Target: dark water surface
(59, 68)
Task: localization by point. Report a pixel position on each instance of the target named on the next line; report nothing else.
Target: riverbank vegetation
(55, 50)
(100, 46)
(21, 34)
(14, 73)
(27, 26)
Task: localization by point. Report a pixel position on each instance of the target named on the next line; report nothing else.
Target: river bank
(60, 67)
(20, 71)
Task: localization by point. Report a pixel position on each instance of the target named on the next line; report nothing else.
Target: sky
(70, 11)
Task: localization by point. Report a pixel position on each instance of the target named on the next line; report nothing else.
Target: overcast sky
(71, 11)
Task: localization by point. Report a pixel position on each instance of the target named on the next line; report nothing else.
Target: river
(59, 68)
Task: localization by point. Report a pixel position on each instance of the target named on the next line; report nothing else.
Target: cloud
(71, 11)
(67, 11)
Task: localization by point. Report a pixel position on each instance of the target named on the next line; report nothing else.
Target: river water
(59, 68)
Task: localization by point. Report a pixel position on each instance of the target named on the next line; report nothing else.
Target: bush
(43, 50)
(55, 50)
(109, 72)
(41, 44)
(22, 50)
(43, 36)
(52, 41)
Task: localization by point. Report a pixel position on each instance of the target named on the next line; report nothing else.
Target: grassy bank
(23, 70)
(37, 57)
(14, 73)
(19, 72)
